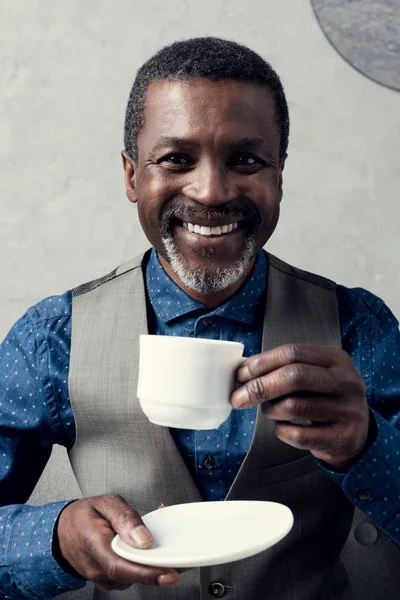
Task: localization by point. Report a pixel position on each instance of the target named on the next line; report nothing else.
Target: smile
(202, 230)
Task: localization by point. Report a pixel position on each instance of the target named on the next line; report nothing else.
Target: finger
(328, 440)
(109, 586)
(266, 362)
(114, 570)
(318, 438)
(304, 409)
(124, 520)
(285, 381)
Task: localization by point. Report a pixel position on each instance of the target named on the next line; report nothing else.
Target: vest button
(209, 462)
(366, 534)
(217, 590)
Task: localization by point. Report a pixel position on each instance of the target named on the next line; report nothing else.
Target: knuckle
(351, 385)
(112, 498)
(295, 373)
(257, 365)
(146, 576)
(290, 352)
(294, 407)
(127, 517)
(299, 436)
(255, 390)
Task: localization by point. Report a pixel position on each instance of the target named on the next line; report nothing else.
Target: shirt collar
(170, 302)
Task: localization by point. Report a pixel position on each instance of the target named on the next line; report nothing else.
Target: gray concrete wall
(66, 69)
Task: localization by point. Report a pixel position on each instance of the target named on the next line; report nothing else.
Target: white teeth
(202, 230)
(205, 230)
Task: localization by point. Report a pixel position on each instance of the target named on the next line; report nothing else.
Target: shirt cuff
(33, 568)
(373, 483)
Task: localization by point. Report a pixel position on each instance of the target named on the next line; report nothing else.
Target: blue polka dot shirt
(35, 413)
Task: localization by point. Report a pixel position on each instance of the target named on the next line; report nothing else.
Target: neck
(209, 299)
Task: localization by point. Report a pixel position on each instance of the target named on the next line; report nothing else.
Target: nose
(211, 185)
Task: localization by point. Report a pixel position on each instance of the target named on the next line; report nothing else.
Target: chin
(206, 279)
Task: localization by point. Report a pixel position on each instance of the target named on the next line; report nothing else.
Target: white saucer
(202, 534)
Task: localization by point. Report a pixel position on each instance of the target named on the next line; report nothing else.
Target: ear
(280, 174)
(130, 170)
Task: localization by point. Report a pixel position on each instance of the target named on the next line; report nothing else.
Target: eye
(246, 162)
(178, 160)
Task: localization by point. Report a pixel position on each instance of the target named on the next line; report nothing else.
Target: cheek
(150, 199)
(266, 198)
(157, 187)
(155, 190)
(150, 189)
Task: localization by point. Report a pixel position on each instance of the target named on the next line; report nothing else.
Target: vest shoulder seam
(307, 276)
(85, 288)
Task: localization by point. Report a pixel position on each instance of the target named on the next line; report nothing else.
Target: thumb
(124, 520)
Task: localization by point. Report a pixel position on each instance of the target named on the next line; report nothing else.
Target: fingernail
(239, 398)
(243, 374)
(168, 579)
(141, 536)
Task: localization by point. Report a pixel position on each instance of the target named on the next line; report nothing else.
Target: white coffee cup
(187, 382)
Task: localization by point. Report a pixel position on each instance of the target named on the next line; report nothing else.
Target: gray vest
(118, 450)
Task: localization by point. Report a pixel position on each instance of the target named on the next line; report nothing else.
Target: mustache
(232, 211)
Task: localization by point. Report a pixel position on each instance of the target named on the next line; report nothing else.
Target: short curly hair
(203, 58)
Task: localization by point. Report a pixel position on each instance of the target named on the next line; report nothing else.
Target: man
(206, 139)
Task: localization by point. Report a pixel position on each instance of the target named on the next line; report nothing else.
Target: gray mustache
(189, 214)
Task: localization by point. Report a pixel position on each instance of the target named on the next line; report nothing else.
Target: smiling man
(317, 419)
(208, 180)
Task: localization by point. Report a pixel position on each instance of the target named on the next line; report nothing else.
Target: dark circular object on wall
(366, 33)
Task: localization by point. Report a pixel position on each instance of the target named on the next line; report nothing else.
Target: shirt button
(207, 322)
(217, 590)
(209, 462)
(364, 495)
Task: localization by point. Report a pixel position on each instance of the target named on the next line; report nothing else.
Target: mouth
(203, 230)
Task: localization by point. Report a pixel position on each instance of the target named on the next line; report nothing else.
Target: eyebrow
(249, 142)
(166, 140)
(244, 142)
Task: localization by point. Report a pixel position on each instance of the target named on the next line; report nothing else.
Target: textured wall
(366, 33)
(66, 69)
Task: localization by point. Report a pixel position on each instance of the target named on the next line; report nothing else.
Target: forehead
(201, 108)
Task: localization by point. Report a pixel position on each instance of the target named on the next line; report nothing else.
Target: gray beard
(204, 280)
